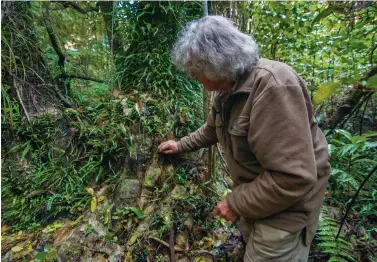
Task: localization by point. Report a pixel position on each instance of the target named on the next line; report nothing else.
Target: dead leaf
(61, 235)
(182, 240)
(139, 107)
(16, 249)
(90, 191)
(133, 238)
(116, 93)
(93, 204)
(178, 192)
(52, 227)
(148, 210)
(101, 198)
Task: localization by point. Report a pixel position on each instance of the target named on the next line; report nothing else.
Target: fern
(338, 250)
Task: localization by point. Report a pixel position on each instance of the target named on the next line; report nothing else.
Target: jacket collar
(244, 82)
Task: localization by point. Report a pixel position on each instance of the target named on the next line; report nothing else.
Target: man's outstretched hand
(222, 209)
(168, 147)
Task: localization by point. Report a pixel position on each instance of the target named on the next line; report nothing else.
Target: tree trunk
(23, 65)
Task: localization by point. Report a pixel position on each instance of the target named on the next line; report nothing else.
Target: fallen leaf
(101, 198)
(182, 240)
(93, 204)
(90, 191)
(178, 192)
(74, 223)
(16, 249)
(61, 235)
(52, 227)
(133, 238)
(139, 107)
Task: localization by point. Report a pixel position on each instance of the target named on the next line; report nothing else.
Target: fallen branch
(162, 242)
(20, 98)
(84, 77)
(171, 244)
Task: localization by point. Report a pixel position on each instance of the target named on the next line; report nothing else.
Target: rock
(127, 192)
(142, 146)
(145, 198)
(152, 176)
(97, 225)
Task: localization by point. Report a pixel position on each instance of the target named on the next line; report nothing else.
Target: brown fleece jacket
(277, 155)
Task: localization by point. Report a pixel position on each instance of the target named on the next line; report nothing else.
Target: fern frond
(339, 249)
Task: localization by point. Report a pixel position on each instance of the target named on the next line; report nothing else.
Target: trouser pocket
(266, 243)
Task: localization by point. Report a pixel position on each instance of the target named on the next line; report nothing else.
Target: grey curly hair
(213, 46)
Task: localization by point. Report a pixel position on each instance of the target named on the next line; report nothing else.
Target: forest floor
(175, 222)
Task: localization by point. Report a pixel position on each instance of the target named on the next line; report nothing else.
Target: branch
(65, 101)
(79, 9)
(20, 98)
(166, 244)
(171, 244)
(353, 200)
(54, 41)
(84, 77)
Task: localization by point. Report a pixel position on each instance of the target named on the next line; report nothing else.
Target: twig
(166, 244)
(20, 98)
(353, 200)
(223, 160)
(171, 244)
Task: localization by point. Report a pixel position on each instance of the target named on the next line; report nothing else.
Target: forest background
(88, 92)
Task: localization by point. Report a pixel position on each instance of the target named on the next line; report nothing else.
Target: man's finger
(163, 147)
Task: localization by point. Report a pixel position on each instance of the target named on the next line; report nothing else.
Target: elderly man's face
(214, 85)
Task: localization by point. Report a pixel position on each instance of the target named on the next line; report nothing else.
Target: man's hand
(222, 209)
(168, 147)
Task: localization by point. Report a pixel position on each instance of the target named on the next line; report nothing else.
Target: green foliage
(352, 157)
(146, 67)
(324, 92)
(339, 250)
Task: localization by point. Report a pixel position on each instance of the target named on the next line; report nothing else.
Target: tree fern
(339, 250)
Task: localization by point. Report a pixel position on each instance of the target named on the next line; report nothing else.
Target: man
(263, 117)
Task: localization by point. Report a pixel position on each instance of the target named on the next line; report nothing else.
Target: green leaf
(137, 212)
(372, 82)
(344, 133)
(324, 92)
(325, 13)
(358, 44)
(41, 255)
(52, 254)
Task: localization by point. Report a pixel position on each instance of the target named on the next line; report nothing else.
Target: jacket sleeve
(280, 137)
(203, 137)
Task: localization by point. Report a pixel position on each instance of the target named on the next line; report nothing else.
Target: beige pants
(266, 243)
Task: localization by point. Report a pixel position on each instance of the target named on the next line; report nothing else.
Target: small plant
(340, 249)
